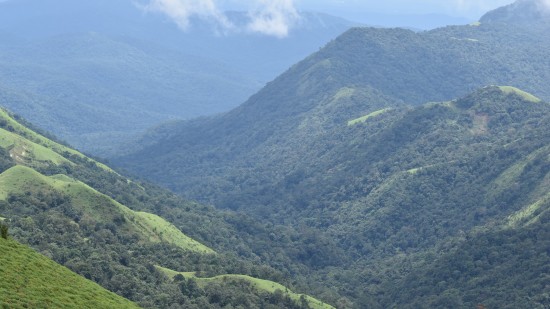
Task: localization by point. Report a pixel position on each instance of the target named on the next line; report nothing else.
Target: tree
(3, 231)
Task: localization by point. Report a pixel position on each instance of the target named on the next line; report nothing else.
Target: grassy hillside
(259, 284)
(103, 226)
(151, 228)
(30, 280)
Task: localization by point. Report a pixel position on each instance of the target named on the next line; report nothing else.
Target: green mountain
(414, 203)
(101, 225)
(360, 72)
(30, 280)
(398, 205)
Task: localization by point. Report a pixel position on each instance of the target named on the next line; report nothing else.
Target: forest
(389, 169)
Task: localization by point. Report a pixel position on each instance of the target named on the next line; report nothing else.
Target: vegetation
(30, 280)
(366, 117)
(430, 205)
(58, 209)
(259, 284)
(54, 76)
(386, 204)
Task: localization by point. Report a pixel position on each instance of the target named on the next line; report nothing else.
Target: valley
(390, 168)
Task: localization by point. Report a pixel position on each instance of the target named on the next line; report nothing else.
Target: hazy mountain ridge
(96, 58)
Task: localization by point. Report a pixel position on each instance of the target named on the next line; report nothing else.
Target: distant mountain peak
(520, 11)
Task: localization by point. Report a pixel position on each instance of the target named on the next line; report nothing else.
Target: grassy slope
(366, 117)
(30, 280)
(19, 179)
(39, 146)
(525, 95)
(260, 284)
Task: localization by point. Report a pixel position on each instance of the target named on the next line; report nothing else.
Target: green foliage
(4, 230)
(366, 117)
(259, 284)
(74, 212)
(30, 280)
(526, 96)
(375, 203)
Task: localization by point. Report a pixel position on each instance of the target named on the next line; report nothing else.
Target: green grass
(30, 280)
(26, 152)
(525, 95)
(366, 117)
(259, 284)
(36, 139)
(511, 174)
(345, 92)
(161, 230)
(151, 228)
(529, 214)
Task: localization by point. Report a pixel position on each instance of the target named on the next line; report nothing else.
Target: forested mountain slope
(400, 193)
(363, 70)
(406, 194)
(73, 209)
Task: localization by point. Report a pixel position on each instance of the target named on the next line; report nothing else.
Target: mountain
(521, 11)
(128, 70)
(30, 279)
(362, 71)
(410, 199)
(408, 195)
(108, 229)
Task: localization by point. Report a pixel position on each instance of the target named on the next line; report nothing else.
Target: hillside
(30, 280)
(401, 190)
(128, 70)
(103, 226)
(401, 195)
(360, 72)
(385, 188)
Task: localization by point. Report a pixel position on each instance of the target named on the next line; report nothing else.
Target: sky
(276, 17)
(471, 9)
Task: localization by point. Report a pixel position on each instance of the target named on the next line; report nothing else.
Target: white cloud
(544, 5)
(274, 18)
(181, 11)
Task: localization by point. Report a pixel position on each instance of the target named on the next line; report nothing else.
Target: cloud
(273, 18)
(181, 11)
(544, 5)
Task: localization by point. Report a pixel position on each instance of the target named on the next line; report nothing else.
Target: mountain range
(347, 143)
(129, 70)
(389, 169)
